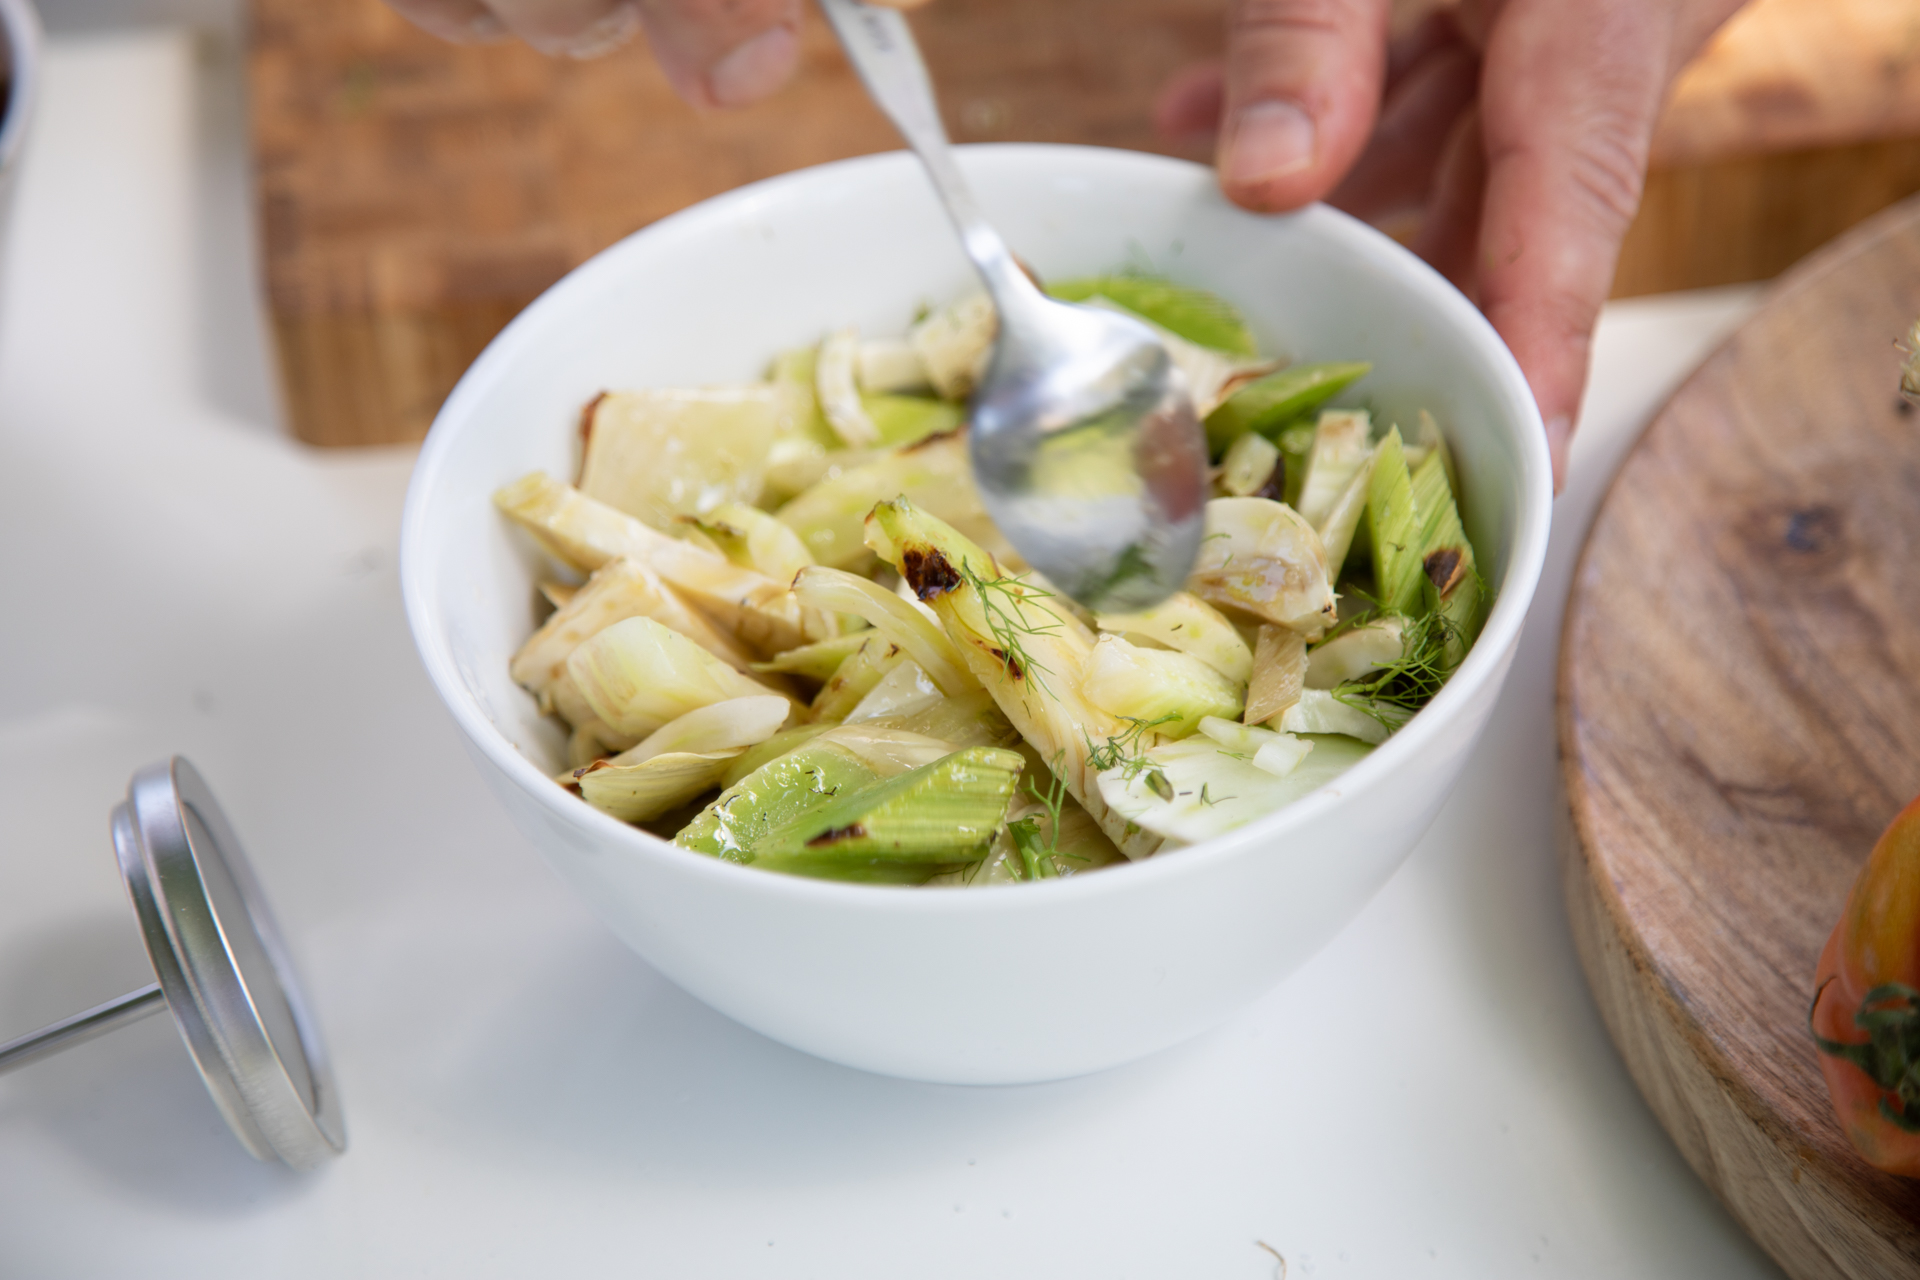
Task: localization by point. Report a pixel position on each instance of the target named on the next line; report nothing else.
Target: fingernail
(755, 68)
(1559, 439)
(1270, 140)
(604, 36)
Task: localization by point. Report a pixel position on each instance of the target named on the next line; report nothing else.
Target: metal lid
(224, 969)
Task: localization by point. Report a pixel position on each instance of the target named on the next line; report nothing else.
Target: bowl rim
(1482, 665)
(20, 24)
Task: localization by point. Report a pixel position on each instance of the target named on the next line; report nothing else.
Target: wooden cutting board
(413, 196)
(1740, 717)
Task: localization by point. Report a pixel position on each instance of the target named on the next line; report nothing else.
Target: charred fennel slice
(784, 632)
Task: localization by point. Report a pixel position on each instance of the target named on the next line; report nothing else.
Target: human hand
(716, 53)
(1520, 126)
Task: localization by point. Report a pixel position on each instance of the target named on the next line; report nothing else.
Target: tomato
(1866, 1005)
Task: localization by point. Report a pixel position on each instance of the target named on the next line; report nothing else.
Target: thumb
(1302, 89)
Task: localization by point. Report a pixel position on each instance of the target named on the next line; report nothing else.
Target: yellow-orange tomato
(1866, 1005)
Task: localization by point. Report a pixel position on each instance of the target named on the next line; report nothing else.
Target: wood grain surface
(1740, 717)
(414, 196)
(1787, 75)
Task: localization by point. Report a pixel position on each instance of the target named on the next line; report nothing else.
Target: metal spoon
(1084, 440)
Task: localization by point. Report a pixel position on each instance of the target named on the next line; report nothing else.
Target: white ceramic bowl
(1025, 982)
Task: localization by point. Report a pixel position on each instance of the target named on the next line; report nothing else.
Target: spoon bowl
(1088, 455)
(1085, 445)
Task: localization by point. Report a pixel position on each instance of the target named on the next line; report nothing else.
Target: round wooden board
(1740, 717)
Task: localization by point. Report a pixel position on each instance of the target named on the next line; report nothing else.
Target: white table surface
(1432, 1096)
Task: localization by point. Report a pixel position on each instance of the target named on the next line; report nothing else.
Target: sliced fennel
(1356, 652)
(941, 813)
(618, 590)
(1211, 374)
(891, 365)
(892, 618)
(661, 454)
(1271, 404)
(1193, 314)
(1261, 558)
(953, 344)
(735, 724)
(760, 613)
(1319, 711)
(970, 720)
(1279, 672)
(636, 675)
(778, 791)
(904, 420)
(658, 785)
(817, 661)
(855, 677)
(1169, 688)
(1341, 446)
(1247, 470)
(753, 539)
(1343, 520)
(936, 475)
(814, 810)
(1196, 789)
(904, 691)
(837, 386)
(977, 729)
(1422, 560)
(1185, 622)
(1027, 652)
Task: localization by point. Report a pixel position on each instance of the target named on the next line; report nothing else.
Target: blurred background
(411, 196)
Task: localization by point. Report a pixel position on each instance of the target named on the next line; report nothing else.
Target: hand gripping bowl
(1024, 982)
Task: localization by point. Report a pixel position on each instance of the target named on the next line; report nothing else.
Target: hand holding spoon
(1085, 445)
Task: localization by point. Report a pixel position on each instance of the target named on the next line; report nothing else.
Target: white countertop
(1432, 1096)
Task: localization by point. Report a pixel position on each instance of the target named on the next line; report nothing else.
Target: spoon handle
(881, 47)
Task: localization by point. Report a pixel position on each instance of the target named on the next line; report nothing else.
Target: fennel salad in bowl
(784, 633)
